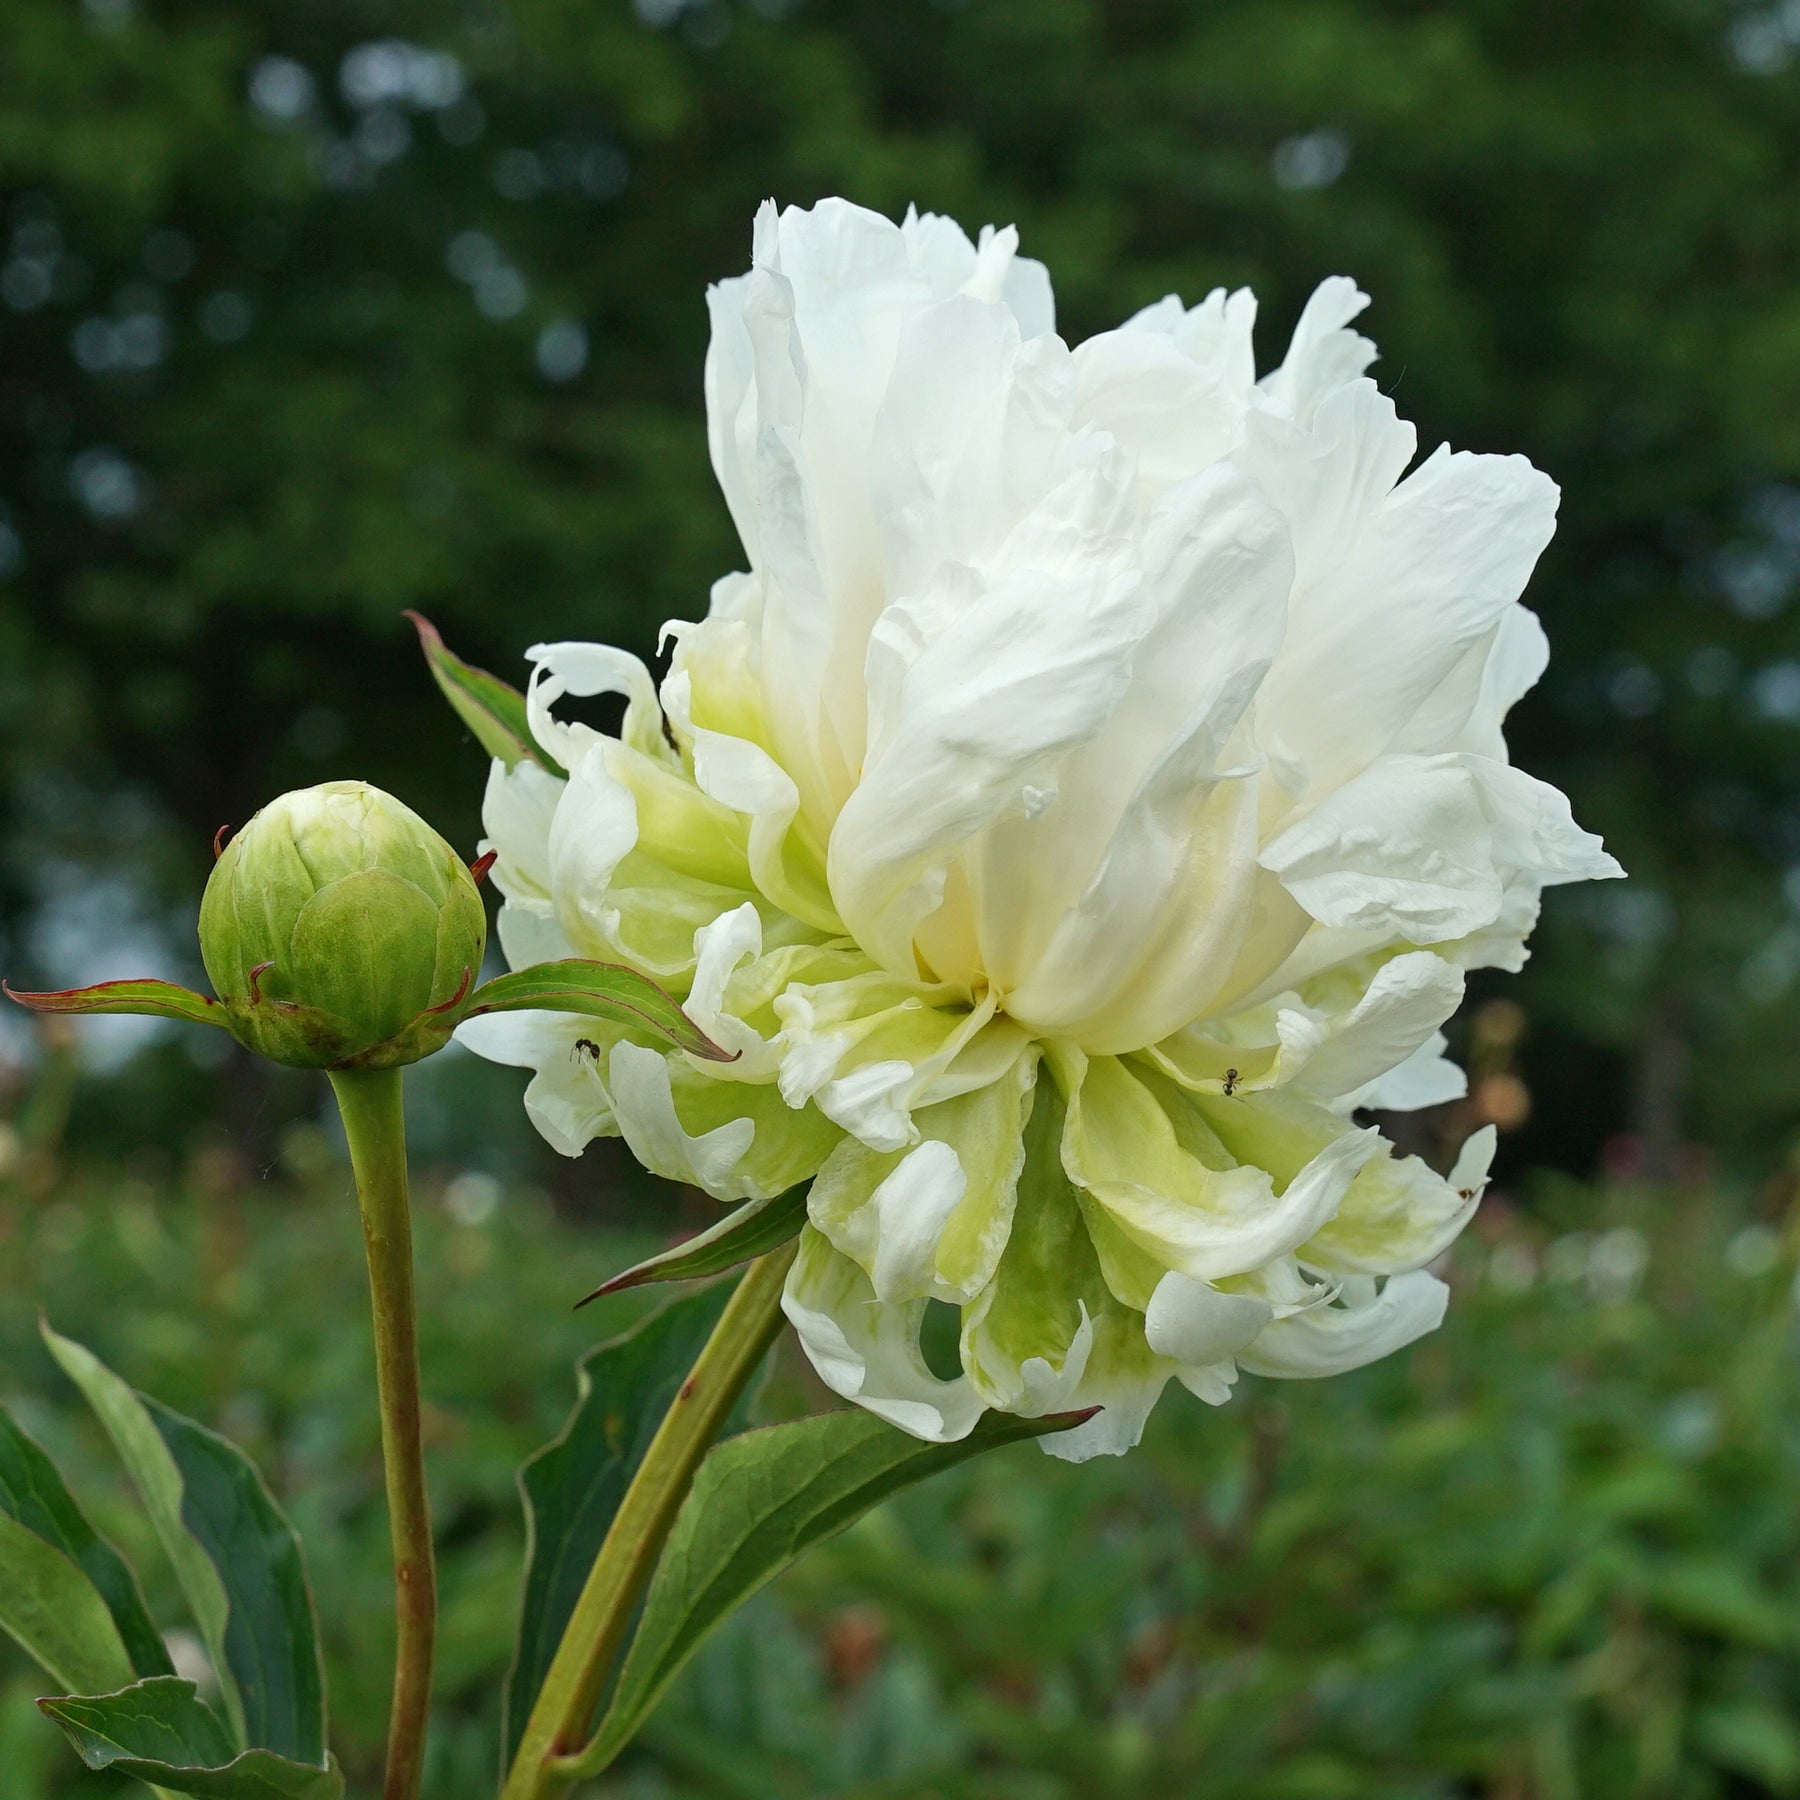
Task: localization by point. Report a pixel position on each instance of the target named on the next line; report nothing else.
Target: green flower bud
(340, 931)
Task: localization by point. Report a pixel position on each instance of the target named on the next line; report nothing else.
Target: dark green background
(251, 405)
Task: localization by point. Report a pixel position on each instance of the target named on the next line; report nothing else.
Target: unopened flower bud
(340, 930)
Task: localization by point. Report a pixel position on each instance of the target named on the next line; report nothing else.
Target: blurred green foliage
(311, 312)
(1551, 1553)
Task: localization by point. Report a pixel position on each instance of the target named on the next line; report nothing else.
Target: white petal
(1423, 847)
(644, 1104)
(1427, 1078)
(1399, 1012)
(1197, 1324)
(586, 670)
(869, 1352)
(594, 828)
(567, 1099)
(1329, 1340)
(1323, 354)
(1411, 588)
(720, 948)
(1123, 1148)
(1036, 667)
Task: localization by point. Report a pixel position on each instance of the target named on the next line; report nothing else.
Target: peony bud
(340, 930)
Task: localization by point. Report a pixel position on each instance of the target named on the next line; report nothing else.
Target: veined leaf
(602, 991)
(758, 1502)
(492, 709)
(236, 1557)
(162, 1732)
(752, 1230)
(55, 1613)
(159, 999)
(33, 1492)
(573, 1486)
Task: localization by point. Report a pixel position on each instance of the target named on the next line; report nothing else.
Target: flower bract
(1090, 796)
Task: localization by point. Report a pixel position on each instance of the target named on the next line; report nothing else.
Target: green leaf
(158, 1481)
(160, 999)
(162, 1732)
(573, 1486)
(236, 1557)
(758, 1502)
(602, 991)
(32, 1491)
(491, 708)
(55, 1613)
(753, 1230)
(271, 1638)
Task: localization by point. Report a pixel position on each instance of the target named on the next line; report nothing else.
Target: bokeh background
(312, 311)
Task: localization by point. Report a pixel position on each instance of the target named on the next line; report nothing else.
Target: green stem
(590, 1644)
(374, 1122)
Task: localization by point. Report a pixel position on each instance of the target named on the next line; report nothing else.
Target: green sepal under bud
(340, 931)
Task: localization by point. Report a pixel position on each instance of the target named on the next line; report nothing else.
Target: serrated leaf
(601, 991)
(33, 1492)
(157, 999)
(572, 1487)
(55, 1614)
(493, 709)
(162, 1732)
(758, 1502)
(237, 1559)
(753, 1230)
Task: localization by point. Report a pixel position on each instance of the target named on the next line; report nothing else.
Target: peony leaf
(162, 1732)
(573, 1486)
(758, 1502)
(602, 991)
(752, 1230)
(237, 1559)
(55, 1613)
(492, 709)
(159, 999)
(33, 1493)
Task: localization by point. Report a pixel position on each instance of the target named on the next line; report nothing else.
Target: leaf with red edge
(601, 991)
(492, 709)
(158, 999)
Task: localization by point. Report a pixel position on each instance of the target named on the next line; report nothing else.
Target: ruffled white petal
(868, 1351)
(1363, 1326)
(1424, 847)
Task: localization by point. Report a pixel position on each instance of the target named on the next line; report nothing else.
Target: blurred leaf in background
(1551, 1553)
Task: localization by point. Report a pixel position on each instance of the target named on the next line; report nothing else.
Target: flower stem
(370, 1101)
(564, 1708)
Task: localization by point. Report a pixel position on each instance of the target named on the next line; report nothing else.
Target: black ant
(584, 1047)
(1231, 1081)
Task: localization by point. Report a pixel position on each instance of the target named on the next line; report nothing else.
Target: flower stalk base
(370, 1102)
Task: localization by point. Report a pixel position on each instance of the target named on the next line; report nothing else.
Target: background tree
(313, 313)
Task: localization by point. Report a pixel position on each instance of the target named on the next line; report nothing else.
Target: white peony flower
(1093, 792)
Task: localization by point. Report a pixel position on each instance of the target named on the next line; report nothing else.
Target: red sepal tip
(480, 866)
(455, 999)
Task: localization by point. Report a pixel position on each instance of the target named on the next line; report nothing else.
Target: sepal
(752, 1230)
(155, 999)
(492, 709)
(601, 991)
